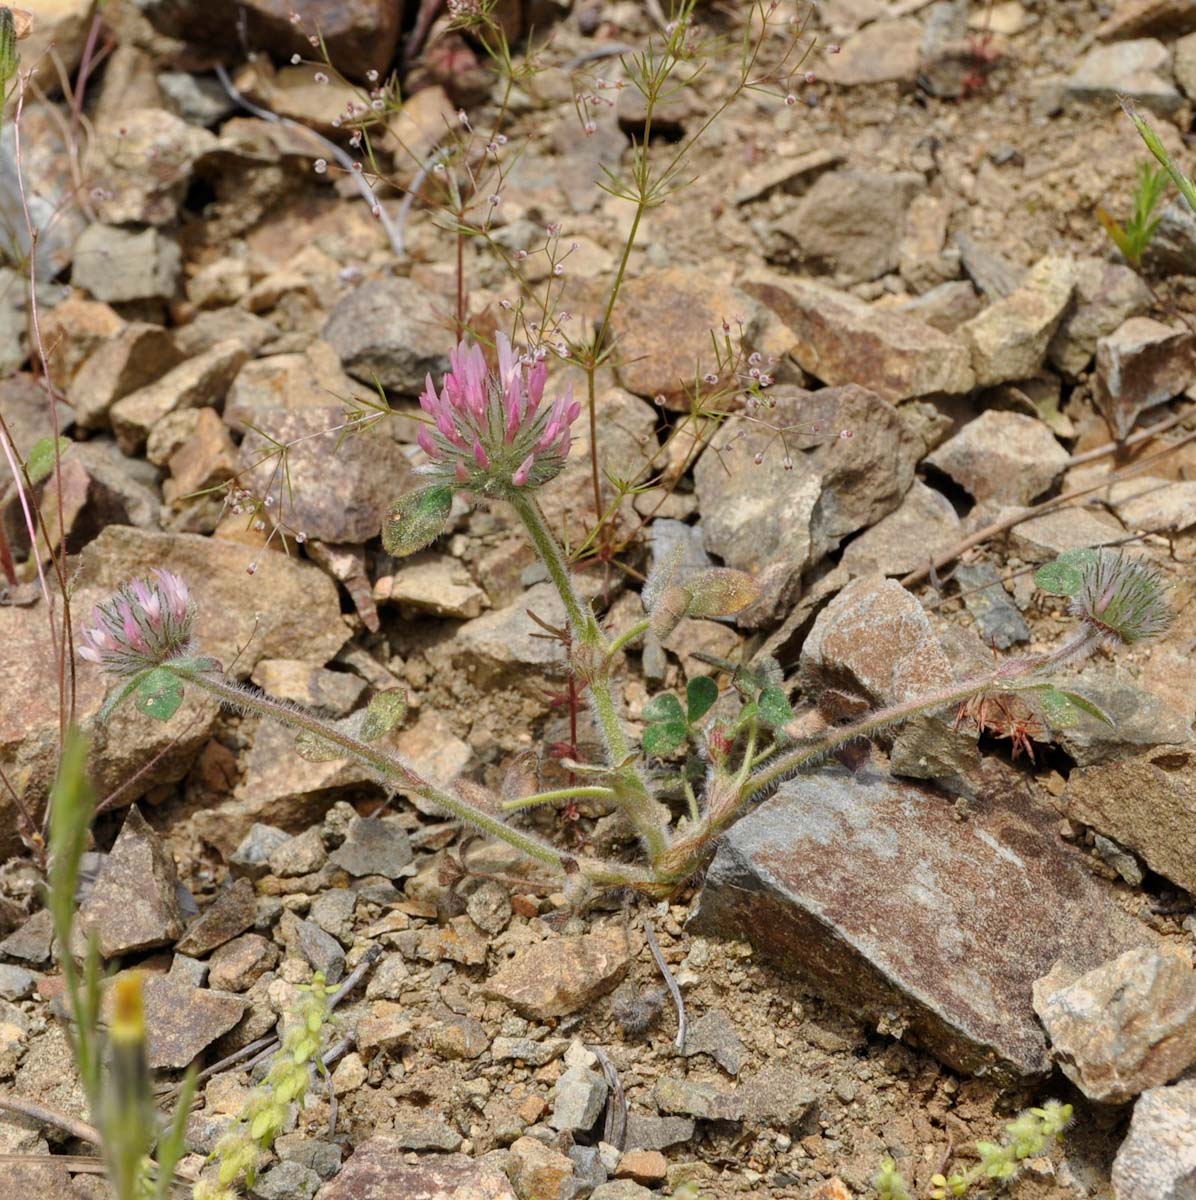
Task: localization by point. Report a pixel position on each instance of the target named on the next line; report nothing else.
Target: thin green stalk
(569, 793)
(582, 626)
(398, 772)
(627, 636)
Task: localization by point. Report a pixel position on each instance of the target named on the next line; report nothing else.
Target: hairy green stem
(628, 636)
(394, 771)
(581, 624)
(569, 793)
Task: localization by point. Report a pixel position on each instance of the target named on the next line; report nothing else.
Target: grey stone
(528, 1050)
(380, 1169)
(1122, 861)
(1106, 295)
(998, 621)
(385, 329)
(932, 928)
(921, 526)
(433, 583)
(1009, 339)
(944, 307)
(321, 950)
(506, 643)
(289, 1180)
(1142, 364)
(1124, 1027)
(1002, 456)
(32, 941)
(118, 265)
(422, 1131)
(848, 225)
(621, 1189)
(181, 1021)
(713, 1034)
(238, 965)
(1157, 1160)
(333, 912)
(15, 982)
(374, 847)
(196, 98)
(646, 1131)
(886, 51)
(1146, 803)
(333, 693)
(1137, 70)
(303, 854)
(233, 911)
(251, 858)
(679, 1096)
(579, 1099)
(1141, 720)
(389, 979)
(320, 1156)
(133, 905)
(489, 907)
(776, 522)
(1172, 250)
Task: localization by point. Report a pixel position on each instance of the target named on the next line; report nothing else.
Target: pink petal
(525, 469)
(427, 443)
(480, 456)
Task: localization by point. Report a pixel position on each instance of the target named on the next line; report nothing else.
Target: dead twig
(47, 1116)
(614, 1127)
(670, 983)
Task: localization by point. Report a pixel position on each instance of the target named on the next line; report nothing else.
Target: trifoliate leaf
(665, 737)
(41, 457)
(775, 709)
(385, 711)
(665, 707)
(118, 697)
(159, 693)
(417, 520)
(1065, 575)
(700, 695)
(720, 592)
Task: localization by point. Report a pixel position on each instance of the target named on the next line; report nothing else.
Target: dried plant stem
(670, 983)
(47, 1116)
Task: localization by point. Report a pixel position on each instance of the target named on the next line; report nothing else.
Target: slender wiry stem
(568, 793)
(397, 772)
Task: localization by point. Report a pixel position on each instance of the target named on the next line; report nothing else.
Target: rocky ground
(887, 961)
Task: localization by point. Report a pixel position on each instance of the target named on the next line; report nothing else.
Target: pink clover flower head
(146, 623)
(490, 431)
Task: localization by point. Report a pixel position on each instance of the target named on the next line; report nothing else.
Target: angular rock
(1106, 295)
(142, 166)
(537, 1170)
(420, 1131)
(841, 340)
(433, 583)
(1150, 505)
(1147, 804)
(134, 904)
(579, 1099)
(374, 847)
(251, 859)
(1009, 339)
(1002, 456)
(997, 619)
(562, 975)
(73, 330)
(238, 965)
(922, 525)
(663, 319)
(775, 522)
(15, 982)
(932, 927)
(713, 1034)
(945, 307)
(205, 460)
(1137, 70)
(1122, 1028)
(133, 357)
(31, 943)
(181, 1021)
(849, 225)
(384, 329)
(321, 951)
(199, 382)
(359, 35)
(506, 641)
(621, 1189)
(380, 1169)
(232, 912)
(336, 488)
(676, 1095)
(303, 854)
(287, 603)
(118, 265)
(1157, 1160)
(1142, 364)
(1041, 539)
(286, 1181)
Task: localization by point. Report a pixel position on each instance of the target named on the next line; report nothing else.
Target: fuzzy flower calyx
(490, 431)
(146, 623)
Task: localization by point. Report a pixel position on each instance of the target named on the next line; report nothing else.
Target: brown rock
(132, 357)
(1002, 456)
(1146, 804)
(198, 382)
(1122, 1028)
(1147, 18)
(1106, 295)
(537, 1170)
(181, 1021)
(840, 340)
(435, 583)
(562, 975)
(1143, 364)
(1157, 1160)
(206, 459)
(232, 912)
(933, 927)
(134, 905)
(644, 1166)
(238, 965)
(924, 524)
(333, 693)
(381, 1169)
(883, 52)
(666, 317)
(72, 331)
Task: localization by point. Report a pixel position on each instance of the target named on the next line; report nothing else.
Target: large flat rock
(925, 925)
